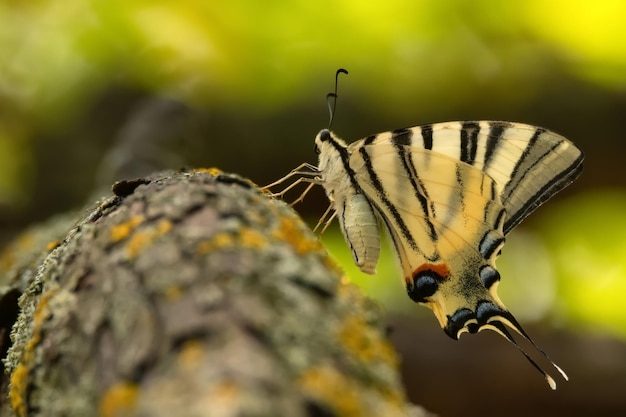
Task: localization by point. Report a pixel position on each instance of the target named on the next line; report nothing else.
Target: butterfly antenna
(331, 109)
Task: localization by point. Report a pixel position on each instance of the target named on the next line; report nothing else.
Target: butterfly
(448, 194)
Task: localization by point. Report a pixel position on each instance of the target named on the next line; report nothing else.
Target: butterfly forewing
(529, 164)
(548, 163)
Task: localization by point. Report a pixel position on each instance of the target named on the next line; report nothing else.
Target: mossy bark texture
(189, 294)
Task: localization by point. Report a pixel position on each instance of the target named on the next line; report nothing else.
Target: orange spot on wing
(440, 269)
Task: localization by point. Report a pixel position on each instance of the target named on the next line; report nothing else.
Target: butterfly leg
(307, 173)
(326, 220)
(311, 181)
(299, 170)
(312, 184)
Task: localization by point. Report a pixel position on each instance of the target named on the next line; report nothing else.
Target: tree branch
(191, 293)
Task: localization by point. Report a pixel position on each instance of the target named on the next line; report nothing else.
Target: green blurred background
(94, 91)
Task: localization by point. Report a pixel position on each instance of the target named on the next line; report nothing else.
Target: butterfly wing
(448, 193)
(445, 220)
(529, 164)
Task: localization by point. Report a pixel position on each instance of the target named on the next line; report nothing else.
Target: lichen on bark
(194, 293)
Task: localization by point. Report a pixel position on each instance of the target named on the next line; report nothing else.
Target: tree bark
(189, 294)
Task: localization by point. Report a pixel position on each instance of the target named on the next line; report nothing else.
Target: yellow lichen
(121, 231)
(345, 280)
(348, 290)
(348, 397)
(141, 239)
(138, 242)
(119, 400)
(246, 238)
(173, 292)
(204, 247)
(250, 238)
(222, 240)
(291, 232)
(334, 389)
(332, 265)
(52, 245)
(365, 343)
(164, 226)
(191, 354)
(210, 171)
(17, 391)
(19, 378)
(225, 394)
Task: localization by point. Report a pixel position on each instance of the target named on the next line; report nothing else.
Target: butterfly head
(326, 139)
(333, 155)
(325, 136)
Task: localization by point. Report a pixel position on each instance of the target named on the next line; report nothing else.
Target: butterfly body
(356, 215)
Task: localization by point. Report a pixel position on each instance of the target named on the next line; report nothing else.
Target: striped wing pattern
(445, 220)
(444, 217)
(529, 164)
(447, 193)
(434, 207)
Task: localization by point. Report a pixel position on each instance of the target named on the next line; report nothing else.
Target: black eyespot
(486, 310)
(425, 284)
(316, 149)
(489, 276)
(458, 320)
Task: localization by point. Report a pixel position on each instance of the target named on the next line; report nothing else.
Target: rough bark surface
(189, 294)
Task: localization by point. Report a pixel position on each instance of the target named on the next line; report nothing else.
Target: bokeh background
(94, 91)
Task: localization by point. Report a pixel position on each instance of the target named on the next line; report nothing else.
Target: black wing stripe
(518, 176)
(469, 141)
(508, 189)
(499, 219)
(402, 138)
(455, 200)
(496, 130)
(557, 183)
(383, 198)
(427, 136)
(368, 140)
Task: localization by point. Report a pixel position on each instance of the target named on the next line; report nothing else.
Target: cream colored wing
(446, 221)
(529, 164)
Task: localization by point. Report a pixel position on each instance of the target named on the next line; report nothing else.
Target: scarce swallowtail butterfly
(448, 194)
